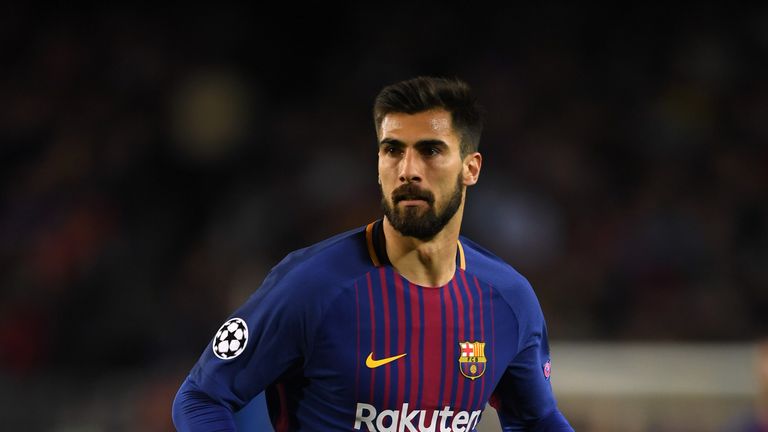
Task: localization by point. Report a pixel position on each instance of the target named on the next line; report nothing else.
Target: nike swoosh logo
(372, 364)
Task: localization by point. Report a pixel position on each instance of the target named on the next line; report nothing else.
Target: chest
(390, 343)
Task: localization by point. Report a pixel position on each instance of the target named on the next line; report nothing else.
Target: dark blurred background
(157, 163)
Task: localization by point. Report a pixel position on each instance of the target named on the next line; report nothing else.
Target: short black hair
(425, 93)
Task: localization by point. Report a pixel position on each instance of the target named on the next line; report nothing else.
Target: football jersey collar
(374, 239)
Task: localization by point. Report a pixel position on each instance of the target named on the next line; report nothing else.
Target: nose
(410, 167)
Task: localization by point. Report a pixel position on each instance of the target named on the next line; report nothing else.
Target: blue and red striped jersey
(339, 340)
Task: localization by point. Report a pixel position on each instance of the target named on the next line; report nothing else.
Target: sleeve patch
(231, 339)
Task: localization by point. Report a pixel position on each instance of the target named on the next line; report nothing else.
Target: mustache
(410, 191)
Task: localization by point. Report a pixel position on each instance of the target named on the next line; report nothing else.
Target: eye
(430, 151)
(391, 150)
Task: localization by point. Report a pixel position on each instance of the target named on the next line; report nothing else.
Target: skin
(424, 149)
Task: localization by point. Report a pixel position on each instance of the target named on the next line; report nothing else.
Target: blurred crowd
(156, 166)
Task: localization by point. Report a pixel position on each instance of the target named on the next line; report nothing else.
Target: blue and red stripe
(387, 352)
(372, 314)
(433, 367)
(476, 403)
(402, 332)
(357, 362)
(394, 316)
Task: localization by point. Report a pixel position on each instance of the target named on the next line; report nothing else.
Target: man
(401, 325)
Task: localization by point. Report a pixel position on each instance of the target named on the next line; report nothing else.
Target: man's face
(420, 171)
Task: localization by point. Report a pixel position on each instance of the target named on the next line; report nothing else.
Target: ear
(471, 168)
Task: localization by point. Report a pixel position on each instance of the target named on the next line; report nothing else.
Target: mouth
(411, 196)
(412, 202)
(411, 199)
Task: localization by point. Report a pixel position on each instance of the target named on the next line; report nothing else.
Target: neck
(430, 263)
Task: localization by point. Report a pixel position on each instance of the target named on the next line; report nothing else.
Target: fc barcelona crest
(472, 359)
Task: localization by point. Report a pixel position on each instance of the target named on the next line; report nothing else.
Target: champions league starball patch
(231, 339)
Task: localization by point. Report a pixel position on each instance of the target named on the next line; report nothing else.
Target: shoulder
(300, 288)
(512, 286)
(490, 268)
(330, 262)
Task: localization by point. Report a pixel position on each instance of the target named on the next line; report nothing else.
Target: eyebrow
(419, 144)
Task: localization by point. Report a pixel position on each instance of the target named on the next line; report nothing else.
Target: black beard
(409, 222)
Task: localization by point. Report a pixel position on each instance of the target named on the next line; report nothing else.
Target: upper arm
(523, 397)
(276, 342)
(524, 393)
